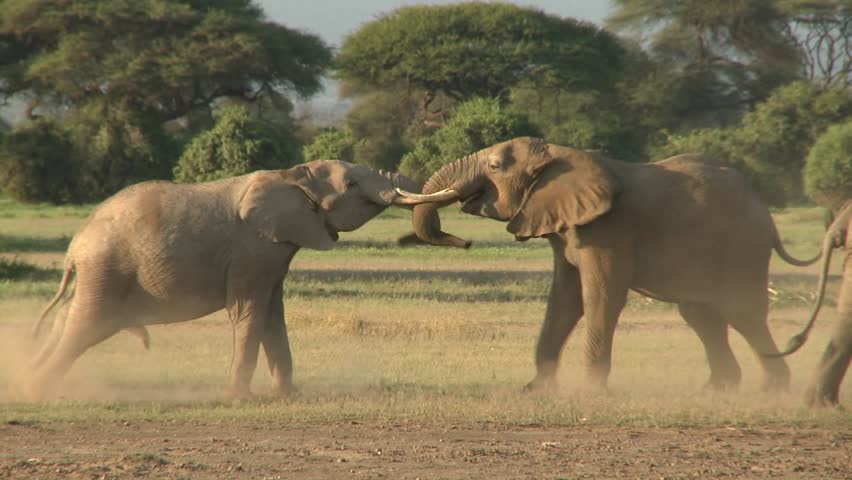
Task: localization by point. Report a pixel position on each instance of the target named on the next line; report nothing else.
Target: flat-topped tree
(477, 49)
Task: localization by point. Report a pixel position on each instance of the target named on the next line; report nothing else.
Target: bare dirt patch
(167, 450)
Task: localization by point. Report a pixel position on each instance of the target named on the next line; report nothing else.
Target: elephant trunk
(387, 195)
(399, 180)
(460, 177)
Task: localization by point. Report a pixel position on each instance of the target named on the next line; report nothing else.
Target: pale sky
(334, 19)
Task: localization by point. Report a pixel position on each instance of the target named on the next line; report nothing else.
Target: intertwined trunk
(460, 176)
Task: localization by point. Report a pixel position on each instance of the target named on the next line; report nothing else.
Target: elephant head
(536, 187)
(309, 204)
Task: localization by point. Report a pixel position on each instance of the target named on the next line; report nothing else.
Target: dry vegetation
(391, 341)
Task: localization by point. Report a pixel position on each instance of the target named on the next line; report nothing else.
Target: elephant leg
(825, 386)
(564, 309)
(604, 285)
(52, 339)
(277, 346)
(725, 372)
(85, 326)
(747, 315)
(248, 325)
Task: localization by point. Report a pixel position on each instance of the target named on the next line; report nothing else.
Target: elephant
(159, 252)
(682, 230)
(824, 388)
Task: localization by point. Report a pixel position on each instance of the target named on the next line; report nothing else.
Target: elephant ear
(572, 189)
(281, 207)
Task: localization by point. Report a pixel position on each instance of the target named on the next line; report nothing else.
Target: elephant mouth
(471, 204)
(469, 200)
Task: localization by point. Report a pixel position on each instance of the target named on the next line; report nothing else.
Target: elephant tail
(63, 285)
(800, 338)
(779, 249)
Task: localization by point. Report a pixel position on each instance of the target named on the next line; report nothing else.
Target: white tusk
(408, 198)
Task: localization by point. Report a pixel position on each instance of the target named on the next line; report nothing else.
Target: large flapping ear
(282, 207)
(572, 188)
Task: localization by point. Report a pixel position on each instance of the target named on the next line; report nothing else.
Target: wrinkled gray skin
(681, 230)
(824, 389)
(159, 252)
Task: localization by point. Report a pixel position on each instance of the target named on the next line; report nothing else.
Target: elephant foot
(776, 385)
(238, 395)
(286, 391)
(540, 384)
(721, 385)
(817, 398)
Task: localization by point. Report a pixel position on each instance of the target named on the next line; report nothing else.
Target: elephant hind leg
(712, 330)
(83, 328)
(52, 340)
(749, 319)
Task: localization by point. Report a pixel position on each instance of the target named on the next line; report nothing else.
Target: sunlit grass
(427, 335)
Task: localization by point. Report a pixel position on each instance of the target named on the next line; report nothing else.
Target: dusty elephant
(159, 252)
(680, 230)
(824, 388)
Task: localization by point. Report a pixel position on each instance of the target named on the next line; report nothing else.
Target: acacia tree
(475, 49)
(116, 71)
(168, 56)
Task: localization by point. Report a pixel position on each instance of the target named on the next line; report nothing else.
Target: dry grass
(386, 334)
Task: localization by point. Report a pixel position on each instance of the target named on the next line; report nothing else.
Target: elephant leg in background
(605, 281)
(277, 346)
(825, 386)
(747, 314)
(564, 309)
(712, 329)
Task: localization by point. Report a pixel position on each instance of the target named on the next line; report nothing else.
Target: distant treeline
(117, 92)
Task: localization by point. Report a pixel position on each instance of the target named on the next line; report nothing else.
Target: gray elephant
(681, 230)
(824, 388)
(159, 252)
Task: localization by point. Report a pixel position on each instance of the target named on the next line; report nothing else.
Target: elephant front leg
(604, 285)
(277, 346)
(248, 319)
(564, 309)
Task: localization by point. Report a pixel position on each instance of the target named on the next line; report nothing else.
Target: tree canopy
(124, 83)
(474, 49)
(164, 56)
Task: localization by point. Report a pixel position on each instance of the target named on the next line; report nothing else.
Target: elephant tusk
(408, 198)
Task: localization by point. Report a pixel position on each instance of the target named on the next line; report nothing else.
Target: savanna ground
(410, 364)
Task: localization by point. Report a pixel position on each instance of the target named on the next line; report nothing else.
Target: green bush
(380, 123)
(236, 145)
(771, 143)
(118, 146)
(331, 144)
(828, 169)
(37, 164)
(476, 124)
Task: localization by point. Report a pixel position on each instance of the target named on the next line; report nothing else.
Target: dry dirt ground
(352, 450)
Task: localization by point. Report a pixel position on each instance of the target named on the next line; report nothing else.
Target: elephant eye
(351, 183)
